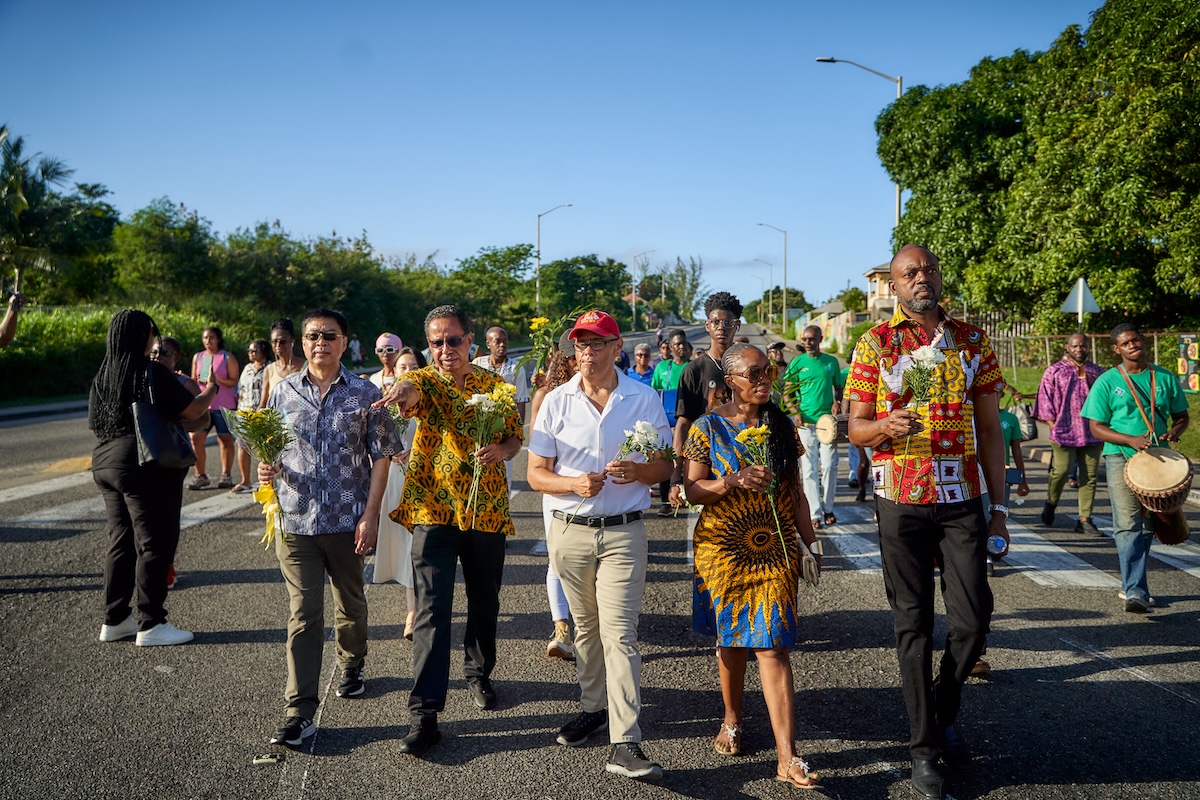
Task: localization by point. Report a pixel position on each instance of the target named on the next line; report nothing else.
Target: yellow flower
(537, 322)
(753, 435)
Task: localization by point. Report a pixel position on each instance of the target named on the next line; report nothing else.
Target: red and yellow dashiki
(939, 464)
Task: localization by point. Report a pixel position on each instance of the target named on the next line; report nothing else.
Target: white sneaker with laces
(1149, 600)
(123, 630)
(163, 634)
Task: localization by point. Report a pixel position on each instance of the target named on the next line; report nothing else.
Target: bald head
(916, 279)
(1077, 349)
(497, 342)
(907, 250)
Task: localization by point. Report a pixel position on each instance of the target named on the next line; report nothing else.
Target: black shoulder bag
(161, 442)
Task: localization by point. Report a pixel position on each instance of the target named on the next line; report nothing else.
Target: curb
(1042, 454)
(45, 410)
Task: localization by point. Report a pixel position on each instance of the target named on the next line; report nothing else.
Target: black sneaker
(352, 684)
(423, 735)
(628, 759)
(1087, 526)
(483, 694)
(1048, 514)
(294, 731)
(577, 731)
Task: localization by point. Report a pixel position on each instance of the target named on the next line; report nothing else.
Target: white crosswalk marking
(1048, 564)
(61, 483)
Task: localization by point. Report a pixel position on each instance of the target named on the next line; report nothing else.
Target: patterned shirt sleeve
(697, 447)
(862, 384)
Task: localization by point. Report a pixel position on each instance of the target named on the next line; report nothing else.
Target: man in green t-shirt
(1128, 408)
(665, 381)
(812, 387)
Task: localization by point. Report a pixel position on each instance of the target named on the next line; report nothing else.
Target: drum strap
(1137, 398)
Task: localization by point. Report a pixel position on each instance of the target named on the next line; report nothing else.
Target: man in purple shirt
(1064, 387)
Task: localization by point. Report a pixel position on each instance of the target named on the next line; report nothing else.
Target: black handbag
(161, 442)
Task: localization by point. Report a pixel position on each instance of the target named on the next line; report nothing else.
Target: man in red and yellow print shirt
(926, 465)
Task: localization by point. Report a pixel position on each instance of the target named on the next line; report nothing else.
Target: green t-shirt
(666, 375)
(1109, 401)
(1010, 430)
(813, 380)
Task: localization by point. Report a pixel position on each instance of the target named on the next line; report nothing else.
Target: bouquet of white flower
(491, 414)
(918, 377)
(644, 439)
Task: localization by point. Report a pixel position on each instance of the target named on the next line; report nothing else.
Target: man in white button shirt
(598, 546)
(508, 368)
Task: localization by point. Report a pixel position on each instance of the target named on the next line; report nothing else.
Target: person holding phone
(214, 364)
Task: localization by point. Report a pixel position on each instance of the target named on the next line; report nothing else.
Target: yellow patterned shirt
(939, 464)
(438, 479)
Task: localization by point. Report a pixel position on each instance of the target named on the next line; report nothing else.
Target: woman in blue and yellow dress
(747, 572)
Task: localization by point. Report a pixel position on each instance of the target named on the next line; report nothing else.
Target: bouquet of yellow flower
(755, 442)
(491, 412)
(545, 333)
(266, 434)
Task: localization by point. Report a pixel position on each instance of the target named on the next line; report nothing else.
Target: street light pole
(770, 291)
(538, 281)
(633, 291)
(762, 291)
(784, 298)
(898, 80)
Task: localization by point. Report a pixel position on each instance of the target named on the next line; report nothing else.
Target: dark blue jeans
(436, 552)
(912, 538)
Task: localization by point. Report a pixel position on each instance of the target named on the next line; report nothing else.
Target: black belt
(599, 522)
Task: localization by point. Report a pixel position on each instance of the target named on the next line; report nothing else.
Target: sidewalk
(43, 410)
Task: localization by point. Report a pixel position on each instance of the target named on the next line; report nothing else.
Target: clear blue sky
(448, 126)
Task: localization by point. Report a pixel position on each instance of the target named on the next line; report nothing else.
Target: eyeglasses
(757, 374)
(280, 341)
(642, 354)
(727, 324)
(449, 341)
(386, 349)
(595, 345)
(328, 336)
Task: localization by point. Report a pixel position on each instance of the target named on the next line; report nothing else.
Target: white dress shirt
(581, 439)
(508, 370)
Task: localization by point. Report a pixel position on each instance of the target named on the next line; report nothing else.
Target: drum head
(827, 429)
(1157, 469)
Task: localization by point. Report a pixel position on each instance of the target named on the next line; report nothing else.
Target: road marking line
(1185, 556)
(1137, 672)
(1047, 564)
(81, 510)
(45, 487)
(212, 508)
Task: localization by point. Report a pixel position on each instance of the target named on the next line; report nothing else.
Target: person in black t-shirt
(702, 385)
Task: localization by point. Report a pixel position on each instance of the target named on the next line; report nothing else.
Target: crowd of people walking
(397, 465)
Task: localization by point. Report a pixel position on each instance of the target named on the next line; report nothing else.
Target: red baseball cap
(595, 322)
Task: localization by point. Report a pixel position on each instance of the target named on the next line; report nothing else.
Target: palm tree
(27, 219)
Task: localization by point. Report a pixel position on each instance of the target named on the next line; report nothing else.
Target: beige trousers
(603, 572)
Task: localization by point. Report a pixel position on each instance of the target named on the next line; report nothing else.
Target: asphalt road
(1086, 701)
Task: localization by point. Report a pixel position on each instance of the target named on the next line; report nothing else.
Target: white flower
(628, 434)
(477, 400)
(646, 430)
(928, 357)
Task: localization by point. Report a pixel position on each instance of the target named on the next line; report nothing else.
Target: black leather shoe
(1048, 514)
(483, 694)
(957, 752)
(421, 737)
(926, 779)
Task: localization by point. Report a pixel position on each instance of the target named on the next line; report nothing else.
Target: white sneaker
(112, 633)
(1149, 600)
(163, 634)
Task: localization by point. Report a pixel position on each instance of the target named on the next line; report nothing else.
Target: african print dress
(745, 589)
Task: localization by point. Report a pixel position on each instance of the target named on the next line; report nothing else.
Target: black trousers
(436, 552)
(142, 504)
(912, 539)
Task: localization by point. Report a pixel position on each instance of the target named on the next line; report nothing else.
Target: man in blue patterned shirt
(330, 484)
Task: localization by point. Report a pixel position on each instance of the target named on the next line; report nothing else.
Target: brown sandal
(807, 779)
(733, 735)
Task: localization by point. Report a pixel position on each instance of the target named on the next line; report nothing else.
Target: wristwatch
(1002, 509)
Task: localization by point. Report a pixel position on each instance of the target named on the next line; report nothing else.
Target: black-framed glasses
(281, 341)
(386, 350)
(449, 341)
(642, 353)
(328, 336)
(727, 324)
(595, 345)
(758, 374)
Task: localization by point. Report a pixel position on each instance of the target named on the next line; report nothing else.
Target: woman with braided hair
(142, 503)
(747, 560)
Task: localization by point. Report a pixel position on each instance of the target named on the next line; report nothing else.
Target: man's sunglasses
(386, 350)
(449, 341)
(727, 324)
(328, 336)
(757, 374)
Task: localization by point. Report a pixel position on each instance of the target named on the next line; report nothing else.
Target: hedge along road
(1076, 679)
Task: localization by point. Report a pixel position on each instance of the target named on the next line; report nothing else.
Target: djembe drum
(833, 429)
(1160, 478)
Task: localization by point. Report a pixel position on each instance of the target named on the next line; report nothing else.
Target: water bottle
(996, 545)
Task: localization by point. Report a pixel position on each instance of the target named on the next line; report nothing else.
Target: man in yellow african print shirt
(928, 451)
(446, 529)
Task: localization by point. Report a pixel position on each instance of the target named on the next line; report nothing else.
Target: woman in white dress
(393, 552)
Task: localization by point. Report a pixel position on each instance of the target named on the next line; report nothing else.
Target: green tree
(586, 282)
(853, 299)
(29, 217)
(686, 284)
(163, 251)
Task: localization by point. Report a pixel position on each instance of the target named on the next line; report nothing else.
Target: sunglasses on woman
(758, 374)
(449, 341)
(386, 350)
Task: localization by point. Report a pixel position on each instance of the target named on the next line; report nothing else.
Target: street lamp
(762, 290)
(781, 230)
(633, 291)
(538, 286)
(770, 291)
(898, 80)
